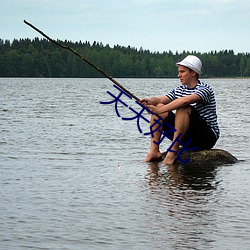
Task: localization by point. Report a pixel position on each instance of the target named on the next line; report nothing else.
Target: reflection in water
(183, 177)
(183, 198)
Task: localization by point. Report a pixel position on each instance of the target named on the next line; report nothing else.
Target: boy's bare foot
(170, 158)
(153, 156)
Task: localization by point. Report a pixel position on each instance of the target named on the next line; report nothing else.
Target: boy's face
(185, 75)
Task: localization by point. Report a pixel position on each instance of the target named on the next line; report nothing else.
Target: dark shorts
(201, 135)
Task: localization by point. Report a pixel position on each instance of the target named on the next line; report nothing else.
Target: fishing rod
(84, 59)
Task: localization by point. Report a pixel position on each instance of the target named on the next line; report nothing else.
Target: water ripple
(72, 173)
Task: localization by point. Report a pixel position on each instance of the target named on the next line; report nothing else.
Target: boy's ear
(193, 73)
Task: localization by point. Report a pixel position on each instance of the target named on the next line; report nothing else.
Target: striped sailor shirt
(206, 108)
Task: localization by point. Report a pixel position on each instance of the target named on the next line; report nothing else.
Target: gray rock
(205, 157)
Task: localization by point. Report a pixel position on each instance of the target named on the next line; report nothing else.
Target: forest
(41, 58)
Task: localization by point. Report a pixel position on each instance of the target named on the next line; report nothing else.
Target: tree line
(40, 58)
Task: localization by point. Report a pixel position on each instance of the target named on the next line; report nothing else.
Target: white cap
(191, 62)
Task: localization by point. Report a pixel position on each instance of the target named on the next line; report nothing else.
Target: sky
(155, 25)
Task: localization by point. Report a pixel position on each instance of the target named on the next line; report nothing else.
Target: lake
(72, 173)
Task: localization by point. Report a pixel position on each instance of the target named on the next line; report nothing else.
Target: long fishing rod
(84, 59)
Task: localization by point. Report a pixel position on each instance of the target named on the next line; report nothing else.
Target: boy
(195, 116)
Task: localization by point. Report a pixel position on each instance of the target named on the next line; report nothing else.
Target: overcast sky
(157, 25)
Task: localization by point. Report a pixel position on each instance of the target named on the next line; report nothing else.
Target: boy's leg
(154, 152)
(199, 132)
(181, 125)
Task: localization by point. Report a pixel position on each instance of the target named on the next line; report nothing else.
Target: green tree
(247, 69)
(41, 58)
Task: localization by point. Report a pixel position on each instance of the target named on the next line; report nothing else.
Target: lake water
(72, 174)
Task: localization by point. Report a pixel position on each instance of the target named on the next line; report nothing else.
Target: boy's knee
(184, 110)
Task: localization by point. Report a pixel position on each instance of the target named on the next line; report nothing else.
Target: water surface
(72, 175)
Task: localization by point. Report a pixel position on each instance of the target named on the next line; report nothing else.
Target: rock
(206, 157)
